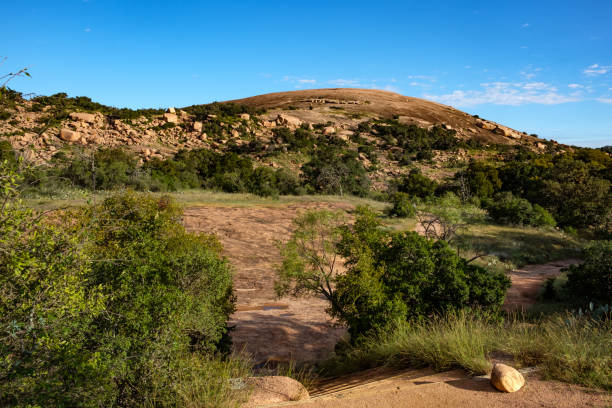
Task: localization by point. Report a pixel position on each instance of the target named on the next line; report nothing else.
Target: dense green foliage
(46, 311)
(505, 208)
(221, 110)
(334, 170)
(402, 206)
(573, 187)
(591, 281)
(112, 305)
(389, 276)
(418, 185)
(414, 139)
(402, 275)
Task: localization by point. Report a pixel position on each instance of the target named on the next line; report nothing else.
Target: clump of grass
(565, 347)
(203, 382)
(568, 348)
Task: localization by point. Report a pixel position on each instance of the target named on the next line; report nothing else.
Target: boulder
(245, 116)
(70, 135)
(84, 117)
(486, 125)
(171, 110)
(286, 120)
(329, 130)
(170, 118)
(506, 378)
(197, 126)
(274, 389)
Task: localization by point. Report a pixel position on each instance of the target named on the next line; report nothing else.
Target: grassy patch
(567, 348)
(519, 245)
(191, 198)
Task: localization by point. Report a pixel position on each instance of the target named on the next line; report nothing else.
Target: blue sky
(544, 67)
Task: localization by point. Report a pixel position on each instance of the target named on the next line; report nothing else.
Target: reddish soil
(527, 283)
(267, 328)
(426, 389)
(287, 329)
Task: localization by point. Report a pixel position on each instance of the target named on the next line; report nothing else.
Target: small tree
(310, 262)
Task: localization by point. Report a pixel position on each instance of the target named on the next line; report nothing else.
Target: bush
(105, 170)
(402, 206)
(505, 208)
(416, 184)
(591, 281)
(333, 170)
(46, 312)
(404, 276)
(390, 276)
(112, 305)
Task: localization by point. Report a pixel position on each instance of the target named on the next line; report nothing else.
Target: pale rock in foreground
(274, 389)
(506, 378)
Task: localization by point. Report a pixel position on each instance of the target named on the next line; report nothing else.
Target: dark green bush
(334, 170)
(591, 281)
(418, 185)
(505, 208)
(105, 170)
(402, 275)
(413, 138)
(402, 206)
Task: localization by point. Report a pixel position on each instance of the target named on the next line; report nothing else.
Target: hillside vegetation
(107, 299)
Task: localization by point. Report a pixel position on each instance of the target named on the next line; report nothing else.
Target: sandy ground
(527, 282)
(426, 389)
(287, 329)
(266, 327)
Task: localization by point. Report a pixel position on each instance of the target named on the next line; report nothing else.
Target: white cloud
(506, 93)
(575, 86)
(87, 30)
(390, 88)
(525, 25)
(344, 82)
(467, 67)
(596, 69)
(307, 81)
(604, 100)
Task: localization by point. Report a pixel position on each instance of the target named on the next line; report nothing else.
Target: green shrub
(334, 170)
(111, 305)
(591, 281)
(46, 311)
(389, 276)
(105, 170)
(169, 293)
(416, 184)
(482, 179)
(5, 115)
(402, 275)
(402, 206)
(505, 208)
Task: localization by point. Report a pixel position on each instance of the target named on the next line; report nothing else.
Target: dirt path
(266, 327)
(297, 329)
(527, 282)
(426, 389)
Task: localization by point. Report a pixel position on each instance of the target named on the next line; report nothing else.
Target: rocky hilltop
(382, 128)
